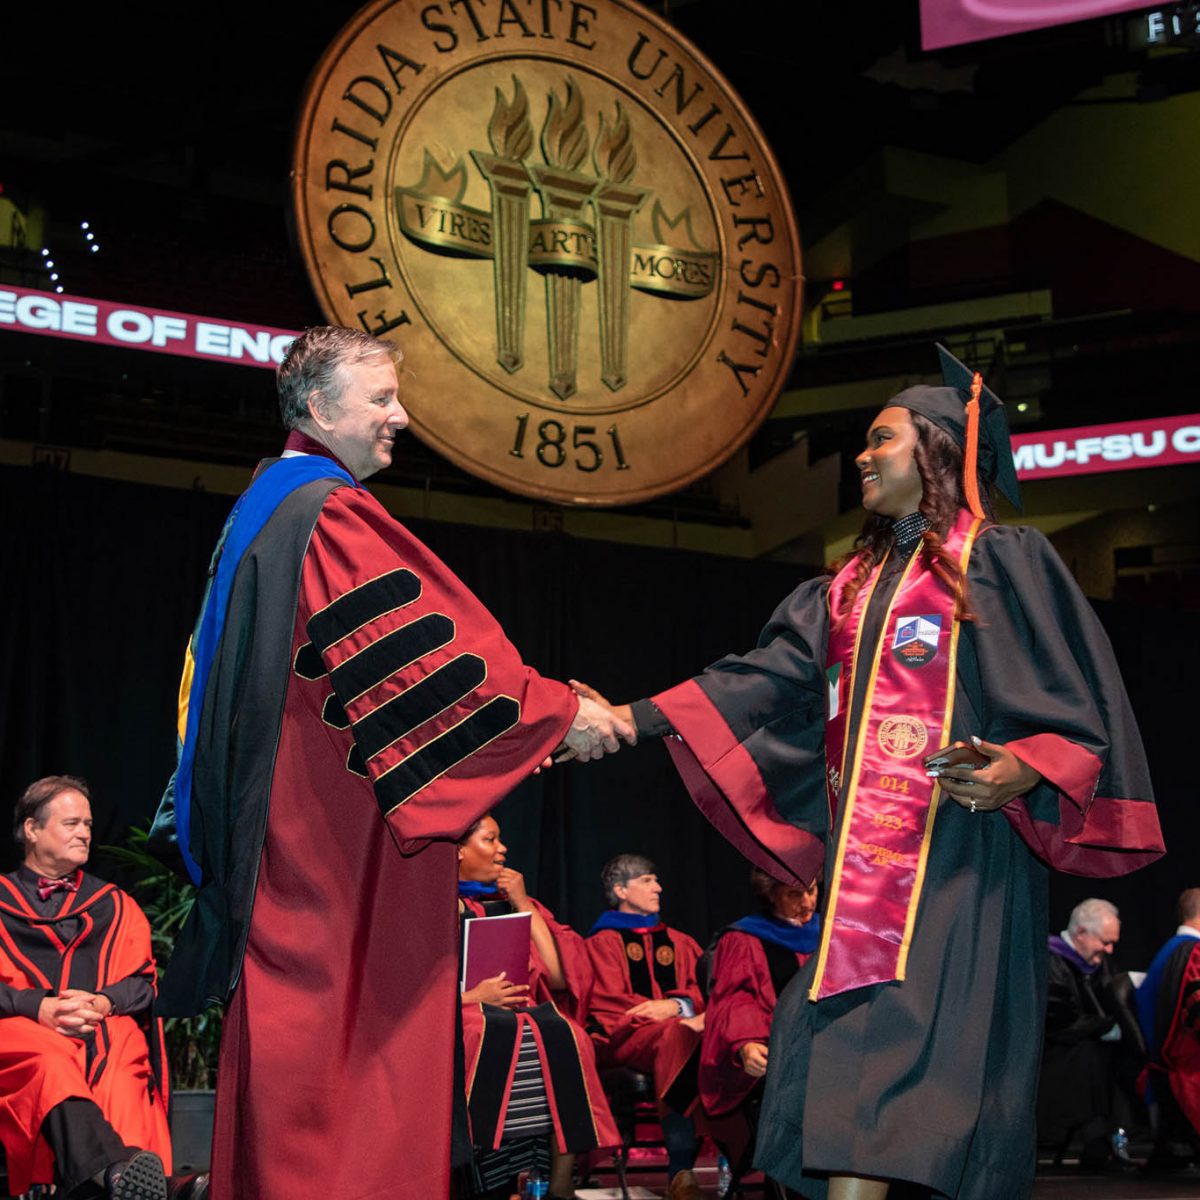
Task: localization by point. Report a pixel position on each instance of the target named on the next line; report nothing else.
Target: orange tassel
(971, 451)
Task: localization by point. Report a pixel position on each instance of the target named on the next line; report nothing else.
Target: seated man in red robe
(755, 959)
(1168, 1005)
(647, 1011)
(530, 1067)
(84, 1101)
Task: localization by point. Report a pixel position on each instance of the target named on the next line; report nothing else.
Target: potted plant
(192, 1042)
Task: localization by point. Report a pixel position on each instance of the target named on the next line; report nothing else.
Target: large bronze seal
(570, 224)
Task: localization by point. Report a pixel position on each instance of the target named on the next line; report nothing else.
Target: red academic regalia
(578, 1107)
(630, 966)
(119, 1067)
(741, 1003)
(336, 768)
(1169, 1010)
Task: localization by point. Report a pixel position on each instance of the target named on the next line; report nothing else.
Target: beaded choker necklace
(908, 529)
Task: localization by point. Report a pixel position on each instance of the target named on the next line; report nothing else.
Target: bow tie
(47, 887)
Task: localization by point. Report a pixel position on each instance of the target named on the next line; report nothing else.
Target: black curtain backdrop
(103, 581)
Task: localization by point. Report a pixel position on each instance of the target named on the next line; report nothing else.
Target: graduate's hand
(1004, 778)
(595, 731)
(622, 711)
(696, 1023)
(498, 990)
(512, 884)
(754, 1059)
(654, 1010)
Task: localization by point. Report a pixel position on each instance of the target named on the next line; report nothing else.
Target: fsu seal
(902, 737)
(569, 223)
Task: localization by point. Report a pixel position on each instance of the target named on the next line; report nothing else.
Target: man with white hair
(1075, 1093)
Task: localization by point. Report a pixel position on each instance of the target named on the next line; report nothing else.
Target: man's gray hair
(314, 363)
(1089, 915)
(619, 871)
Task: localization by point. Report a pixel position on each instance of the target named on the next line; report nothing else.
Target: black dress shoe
(187, 1187)
(138, 1178)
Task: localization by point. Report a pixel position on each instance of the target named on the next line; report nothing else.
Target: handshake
(598, 729)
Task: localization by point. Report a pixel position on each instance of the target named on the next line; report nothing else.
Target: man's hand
(696, 1022)
(654, 1010)
(754, 1059)
(498, 990)
(623, 712)
(74, 1013)
(94, 1003)
(595, 731)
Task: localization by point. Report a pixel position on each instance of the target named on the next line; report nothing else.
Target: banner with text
(954, 22)
(137, 327)
(1123, 446)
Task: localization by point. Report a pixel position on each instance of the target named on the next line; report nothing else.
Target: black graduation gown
(933, 1080)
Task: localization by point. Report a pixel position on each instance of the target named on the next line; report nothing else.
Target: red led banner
(136, 327)
(1124, 446)
(953, 22)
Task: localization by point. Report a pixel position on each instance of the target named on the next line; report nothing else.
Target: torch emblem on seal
(583, 235)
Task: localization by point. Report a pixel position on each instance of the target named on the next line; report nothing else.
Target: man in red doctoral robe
(348, 709)
(647, 1009)
(754, 960)
(83, 1098)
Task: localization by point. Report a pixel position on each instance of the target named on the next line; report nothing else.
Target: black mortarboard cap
(946, 407)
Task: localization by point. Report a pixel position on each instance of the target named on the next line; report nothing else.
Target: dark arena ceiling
(170, 131)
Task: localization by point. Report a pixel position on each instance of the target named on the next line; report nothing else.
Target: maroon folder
(495, 944)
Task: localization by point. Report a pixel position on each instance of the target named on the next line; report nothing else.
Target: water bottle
(724, 1175)
(1120, 1146)
(536, 1186)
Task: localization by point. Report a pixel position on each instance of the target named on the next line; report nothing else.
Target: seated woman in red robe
(755, 959)
(532, 1079)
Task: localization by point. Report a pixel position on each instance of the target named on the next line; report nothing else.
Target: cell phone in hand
(957, 754)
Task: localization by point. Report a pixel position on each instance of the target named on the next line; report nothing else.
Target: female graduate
(906, 1048)
(533, 1077)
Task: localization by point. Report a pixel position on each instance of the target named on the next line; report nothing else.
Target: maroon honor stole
(878, 784)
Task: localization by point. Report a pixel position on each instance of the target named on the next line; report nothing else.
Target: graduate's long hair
(939, 461)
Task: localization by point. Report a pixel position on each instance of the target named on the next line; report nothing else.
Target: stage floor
(1052, 1183)
(1067, 1184)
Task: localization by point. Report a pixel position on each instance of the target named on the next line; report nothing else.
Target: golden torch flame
(614, 153)
(509, 130)
(564, 138)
